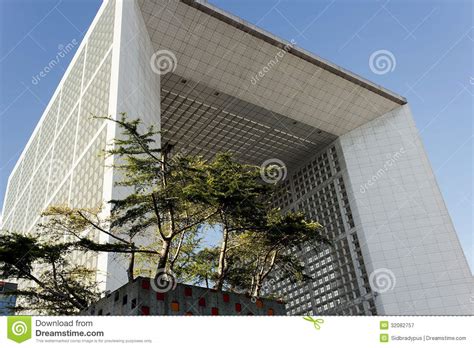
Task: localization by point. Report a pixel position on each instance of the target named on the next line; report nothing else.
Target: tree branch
(102, 230)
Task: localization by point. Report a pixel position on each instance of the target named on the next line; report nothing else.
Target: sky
(429, 45)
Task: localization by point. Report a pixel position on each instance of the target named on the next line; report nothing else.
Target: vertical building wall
(61, 164)
(136, 93)
(411, 249)
(138, 84)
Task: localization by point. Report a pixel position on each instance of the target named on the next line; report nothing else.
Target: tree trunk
(131, 266)
(257, 285)
(260, 277)
(178, 250)
(222, 260)
(164, 255)
(252, 284)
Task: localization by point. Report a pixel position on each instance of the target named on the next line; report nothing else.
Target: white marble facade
(405, 231)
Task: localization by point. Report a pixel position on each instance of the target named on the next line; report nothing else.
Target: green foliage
(51, 283)
(257, 255)
(168, 204)
(14, 262)
(200, 268)
(236, 190)
(163, 191)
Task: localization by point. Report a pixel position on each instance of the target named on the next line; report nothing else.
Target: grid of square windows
(339, 283)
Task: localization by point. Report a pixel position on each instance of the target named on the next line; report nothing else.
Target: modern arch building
(353, 156)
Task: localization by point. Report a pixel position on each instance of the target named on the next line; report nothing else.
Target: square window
(175, 306)
(146, 284)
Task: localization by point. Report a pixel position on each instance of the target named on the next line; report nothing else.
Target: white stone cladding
(402, 222)
(61, 164)
(136, 93)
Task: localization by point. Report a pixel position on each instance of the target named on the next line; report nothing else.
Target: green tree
(82, 226)
(254, 236)
(200, 268)
(239, 196)
(273, 247)
(175, 196)
(162, 190)
(55, 285)
(168, 202)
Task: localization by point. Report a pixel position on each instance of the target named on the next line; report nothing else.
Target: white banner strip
(242, 330)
